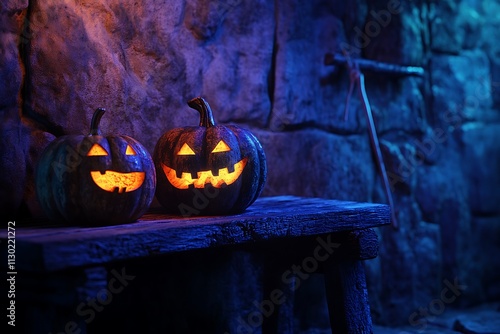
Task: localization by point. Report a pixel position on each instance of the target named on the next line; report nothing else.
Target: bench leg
(278, 298)
(347, 297)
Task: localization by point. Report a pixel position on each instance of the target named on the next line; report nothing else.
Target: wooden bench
(224, 274)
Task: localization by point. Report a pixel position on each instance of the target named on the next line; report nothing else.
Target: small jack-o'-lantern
(208, 169)
(95, 179)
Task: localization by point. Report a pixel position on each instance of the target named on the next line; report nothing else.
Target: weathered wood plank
(53, 248)
(347, 297)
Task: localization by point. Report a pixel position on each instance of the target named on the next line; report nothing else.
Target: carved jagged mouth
(115, 181)
(205, 177)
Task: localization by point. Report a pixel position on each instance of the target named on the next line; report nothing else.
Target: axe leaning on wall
(357, 78)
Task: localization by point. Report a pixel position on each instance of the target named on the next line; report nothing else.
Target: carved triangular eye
(97, 150)
(186, 150)
(130, 151)
(221, 147)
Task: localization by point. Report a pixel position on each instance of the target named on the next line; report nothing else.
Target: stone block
(305, 91)
(318, 164)
(400, 164)
(398, 274)
(461, 89)
(13, 137)
(481, 150)
(144, 61)
(434, 188)
(11, 75)
(13, 176)
(427, 247)
(479, 270)
(11, 6)
(447, 37)
(397, 104)
(489, 27)
(483, 322)
(396, 32)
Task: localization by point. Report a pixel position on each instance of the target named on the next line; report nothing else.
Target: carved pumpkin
(95, 180)
(208, 169)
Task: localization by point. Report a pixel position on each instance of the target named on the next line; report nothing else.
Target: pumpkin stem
(96, 119)
(206, 115)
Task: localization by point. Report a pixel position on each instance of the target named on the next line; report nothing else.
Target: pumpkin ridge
(68, 191)
(214, 151)
(244, 135)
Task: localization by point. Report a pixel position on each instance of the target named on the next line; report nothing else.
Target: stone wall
(260, 64)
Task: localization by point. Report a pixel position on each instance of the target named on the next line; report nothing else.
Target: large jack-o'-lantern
(208, 169)
(95, 179)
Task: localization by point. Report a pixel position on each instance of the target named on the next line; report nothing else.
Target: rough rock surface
(13, 135)
(479, 145)
(473, 100)
(318, 165)
(396, 23)
(447, 37)
(144, 61)
(483, 319)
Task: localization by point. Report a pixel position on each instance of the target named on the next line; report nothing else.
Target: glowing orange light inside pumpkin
(97, 150)
(186, 150)
(111, 180)
(123, 182)
(205, 177)
(130, 151)
(221, 147)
